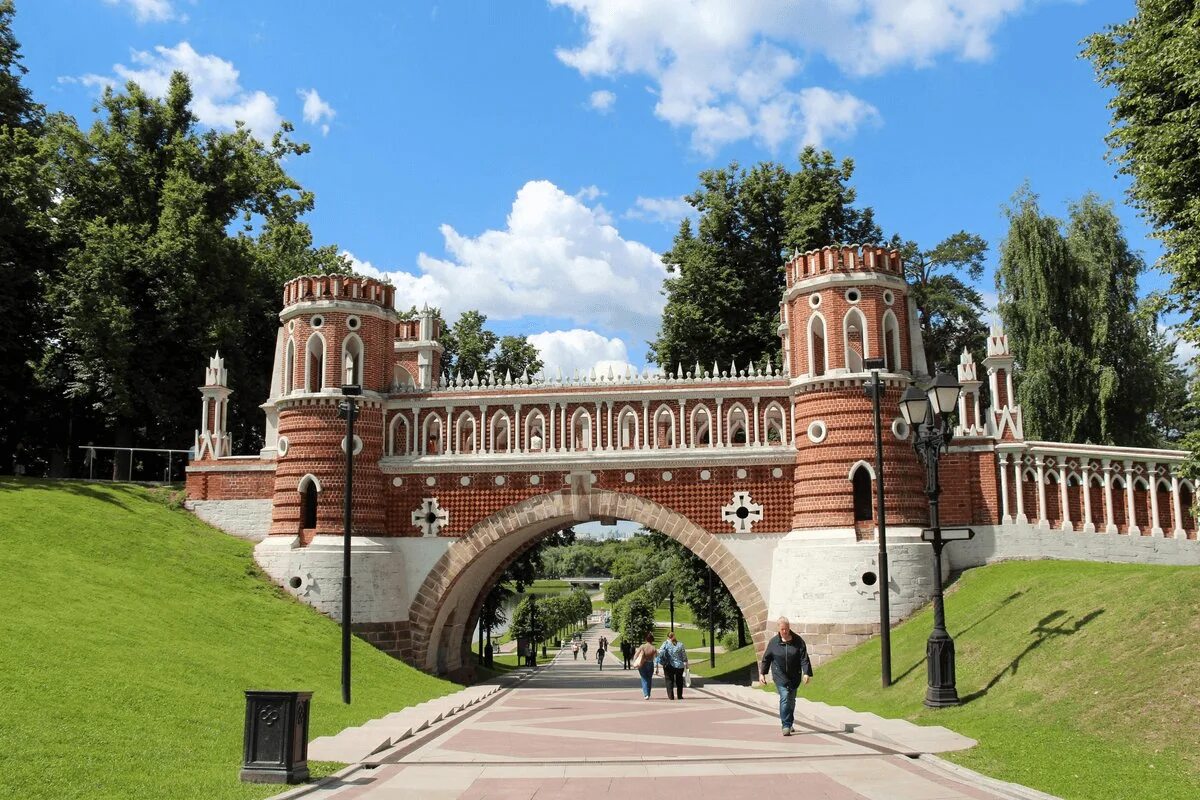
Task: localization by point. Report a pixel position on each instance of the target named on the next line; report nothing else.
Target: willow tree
(1091, 366)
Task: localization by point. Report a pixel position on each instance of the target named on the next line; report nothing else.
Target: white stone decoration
(900, 428)
(817, 431)
(282, 446)
(629, 476)
(430, 517)
(358, 444)
(666, 476)
(888, 297)
(777, 472)
(853, 296)
(465, 480)
(316, 321)
(814, 300)
(499, 480)
(741, 474)
(352, 322)
(742, 512)
(431, 481)
(397, 481)
(534, 480)
(705, 474)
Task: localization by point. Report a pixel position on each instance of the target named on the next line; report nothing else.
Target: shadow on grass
(86, 489)
(999, 606)
(1046, 629)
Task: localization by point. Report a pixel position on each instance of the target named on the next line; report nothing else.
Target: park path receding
(572, 730)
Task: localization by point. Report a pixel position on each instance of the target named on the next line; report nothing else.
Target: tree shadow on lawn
(960, 633)
(77, 487)
(1044, 631)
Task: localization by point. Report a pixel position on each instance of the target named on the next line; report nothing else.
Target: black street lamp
(347, 410)
(926, 414)
(875, 392)
(531, 658)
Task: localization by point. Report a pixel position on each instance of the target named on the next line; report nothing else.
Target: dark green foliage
(472, 350)
(1091, 364)
(949, 309)
(633, 616)
(727, 276)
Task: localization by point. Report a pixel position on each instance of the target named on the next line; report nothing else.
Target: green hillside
(1079, 679)
(130, 630)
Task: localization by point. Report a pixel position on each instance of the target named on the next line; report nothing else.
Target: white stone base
(386, 572)
(245, 519)
(1005, 542)
(818, 577)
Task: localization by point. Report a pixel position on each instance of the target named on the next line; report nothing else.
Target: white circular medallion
(534, 480)
(777, 473)
(705, 474)
(352, 322)
(817, 431)
(900, 428)
(741, 474)
(889, 297)
(666, 476)
(629, 476)
(430, 481)
(499, 480)
(358, 444)
(397, 482)
(283, 445)
(465, 480)
(317, 321)
(853, 296)
(814, 300)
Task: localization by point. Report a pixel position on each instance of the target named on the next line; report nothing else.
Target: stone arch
(289, 366)
(580, 430)
(660, 435)
(466, 434)
(700, 432)
(890, 336)
(399, 436)
(464, 573)
(500, 433)
(433, 435)
(628, 429)
(818, 345)
(352, 360)
(856, 344)
(535, 428)
(774, 421)
(737, 426)
(314, 363)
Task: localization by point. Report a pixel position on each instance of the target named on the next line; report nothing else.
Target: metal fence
(140, 464)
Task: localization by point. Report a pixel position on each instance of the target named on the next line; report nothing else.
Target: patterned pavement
(574, 731)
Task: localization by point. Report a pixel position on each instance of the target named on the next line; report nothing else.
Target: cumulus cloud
(219, 100)
(667, 210)
(150, 10)
(316, 110)
(582, 350)
(602, 101)
(728, 71)
(555, 257)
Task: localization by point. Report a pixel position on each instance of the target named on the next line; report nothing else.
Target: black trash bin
(276, 737)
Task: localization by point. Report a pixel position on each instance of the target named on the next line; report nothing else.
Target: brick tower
(336, 330)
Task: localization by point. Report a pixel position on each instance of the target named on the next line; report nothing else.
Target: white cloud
(316, 110)
(728, 71)
(602, 101)
(150, 10)
(556, 257)
(667, 210)
(582, 350)
(219, 100)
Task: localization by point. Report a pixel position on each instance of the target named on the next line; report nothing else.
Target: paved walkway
(574, 731)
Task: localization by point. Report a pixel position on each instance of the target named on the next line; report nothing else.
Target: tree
(725, 278)
(634, 616)
(1091, 365)
(471, 349)
(157, 270)
(1152, 62)
(949, 310)
(28, 256)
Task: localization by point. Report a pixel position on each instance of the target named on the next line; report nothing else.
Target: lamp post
(926, 413)
(347, 410)
(533, 630)
(712, 631)
(875, 392)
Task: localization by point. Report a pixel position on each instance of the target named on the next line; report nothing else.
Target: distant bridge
(586, 583)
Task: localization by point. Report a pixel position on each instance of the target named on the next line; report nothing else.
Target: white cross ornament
(430, 517)
(742, 512)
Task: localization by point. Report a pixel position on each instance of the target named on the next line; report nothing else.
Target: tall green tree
(471, 349)
(1091, 366)
(949, 309)
(28, 258)
(726, 276)
(1152, 62)
(176, 242)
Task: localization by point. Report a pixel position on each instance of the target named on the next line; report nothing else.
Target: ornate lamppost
(875, 391)
(926, 414)
(347, 410)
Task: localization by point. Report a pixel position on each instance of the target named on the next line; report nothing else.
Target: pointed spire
(524, 379)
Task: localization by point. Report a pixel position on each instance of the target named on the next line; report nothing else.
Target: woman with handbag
(674, 659)
(643, 662)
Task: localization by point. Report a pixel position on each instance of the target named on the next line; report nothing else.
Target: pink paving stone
(550, 746)
(944, 780)
(805, 786)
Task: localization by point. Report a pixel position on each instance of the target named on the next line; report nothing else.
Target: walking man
(786, 661)
(626, 653)
(674, 659)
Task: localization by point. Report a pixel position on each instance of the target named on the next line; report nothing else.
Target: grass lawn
(682, 614)
(130, 630)
(691, 637)
(1078, 679)
(736, 666)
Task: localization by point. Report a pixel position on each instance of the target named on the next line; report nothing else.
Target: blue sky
(527, 158)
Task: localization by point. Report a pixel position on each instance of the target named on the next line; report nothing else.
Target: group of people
(785, 662)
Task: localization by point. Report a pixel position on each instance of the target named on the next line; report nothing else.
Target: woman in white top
(643, 662)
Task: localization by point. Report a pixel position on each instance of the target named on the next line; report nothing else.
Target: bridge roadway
(572, 730)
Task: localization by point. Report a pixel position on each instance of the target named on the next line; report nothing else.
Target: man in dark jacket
(786, 661)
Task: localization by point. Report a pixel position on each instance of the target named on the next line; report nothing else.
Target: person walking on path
(574, 651)
(786, 661)
(584, 647)
(626, 654)
(600, 652)
(674, 659)
(643, 662)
